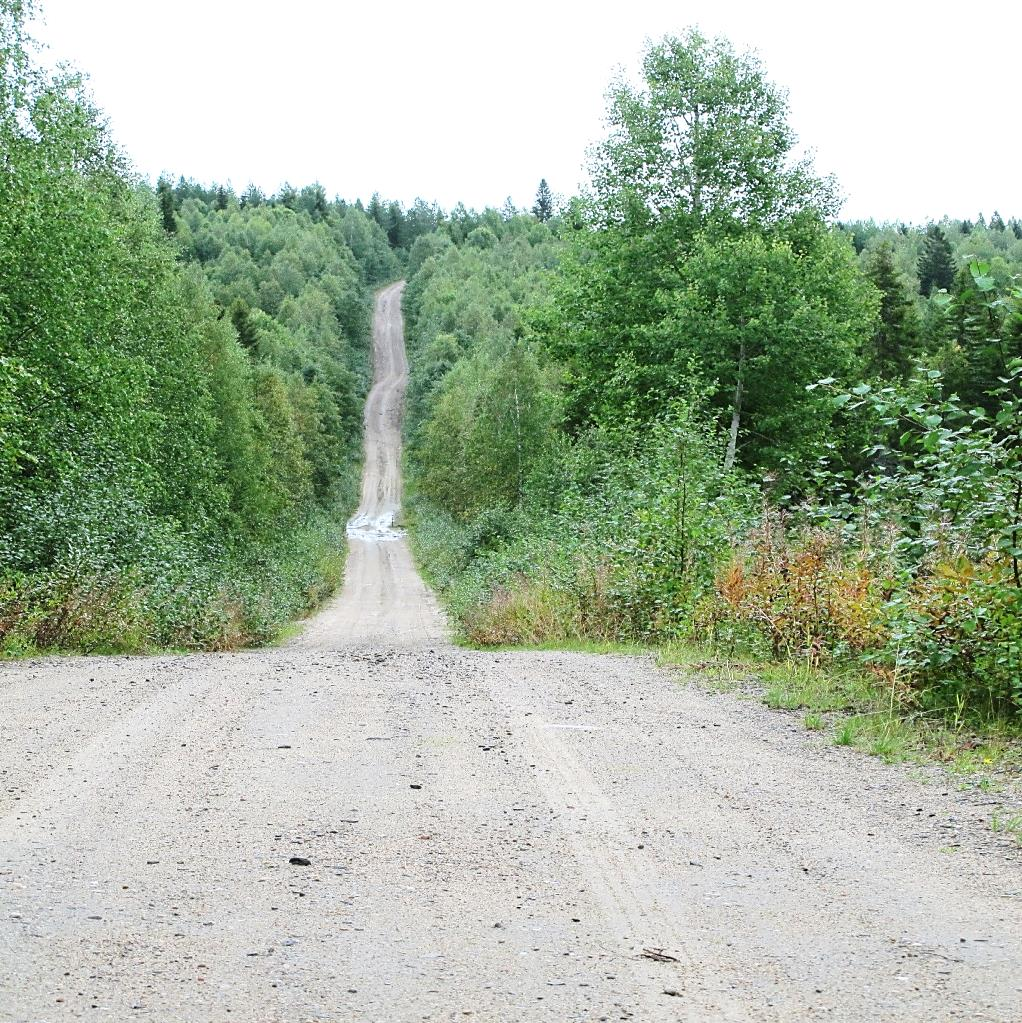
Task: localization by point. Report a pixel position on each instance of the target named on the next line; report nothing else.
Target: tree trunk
(736, 415)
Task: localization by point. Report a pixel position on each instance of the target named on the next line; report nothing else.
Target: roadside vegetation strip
(797, 443)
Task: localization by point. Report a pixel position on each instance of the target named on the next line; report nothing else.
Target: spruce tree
(395, 226)
(165, 195)
(543, 209)
(248, 334)
(895, 343)
(376, 210)
(996, 222)
(936, 263)
(253, 197)
(287, 196)
(976, 322)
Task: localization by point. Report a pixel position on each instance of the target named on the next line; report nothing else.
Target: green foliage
(617, 540)
(169, 474)
(543, 208)
(493, 417)
(707, 269)
(936, 262)
(462, 298)
(697, 298)
(704, 143)
(895, 345)
(757, 319)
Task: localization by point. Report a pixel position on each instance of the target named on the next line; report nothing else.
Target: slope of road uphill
(370, 824)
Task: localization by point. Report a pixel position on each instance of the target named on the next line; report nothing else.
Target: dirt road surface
(489, 836)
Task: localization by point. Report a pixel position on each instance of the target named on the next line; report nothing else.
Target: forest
(181, 380)
(692, 407)
(689, 406)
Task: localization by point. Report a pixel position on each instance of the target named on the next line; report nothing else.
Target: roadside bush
(913, 566)
(807, 597)
(626, 551)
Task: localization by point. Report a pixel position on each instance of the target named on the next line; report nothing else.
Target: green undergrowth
(193, 600)
(857, 710)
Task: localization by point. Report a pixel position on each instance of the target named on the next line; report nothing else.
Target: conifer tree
(253, 197)
(165, 195)
(248, 334)
(890, 353)
(376, 210)
(287, 196)
(937, 262)
(996, 222)
(543, 209)
(395, 225)
(976, 322)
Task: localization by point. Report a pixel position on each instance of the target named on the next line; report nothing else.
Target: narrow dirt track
(494, 836)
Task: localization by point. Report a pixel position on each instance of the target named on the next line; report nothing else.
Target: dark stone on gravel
(300, 861)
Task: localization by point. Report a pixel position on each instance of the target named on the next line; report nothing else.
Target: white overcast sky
(914, 105)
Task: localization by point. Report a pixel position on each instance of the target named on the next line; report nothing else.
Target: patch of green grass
(1010, 824)
(883, 735)
(845, 733)
(722, 674)
(570, 645)
(971, 755)
(867, 716)
(890, 738)
(798, 686)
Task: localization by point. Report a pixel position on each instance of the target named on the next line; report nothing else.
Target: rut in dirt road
(492, 836)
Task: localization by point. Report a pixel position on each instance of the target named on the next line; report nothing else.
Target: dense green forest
(181, 381)
(689, 405)
(693, 407)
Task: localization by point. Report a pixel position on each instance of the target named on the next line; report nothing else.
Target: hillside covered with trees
(181, 381)
(722, 417)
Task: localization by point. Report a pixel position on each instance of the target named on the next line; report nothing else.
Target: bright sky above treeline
(912, 105)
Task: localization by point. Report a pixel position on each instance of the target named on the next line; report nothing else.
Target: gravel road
(370, 824)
